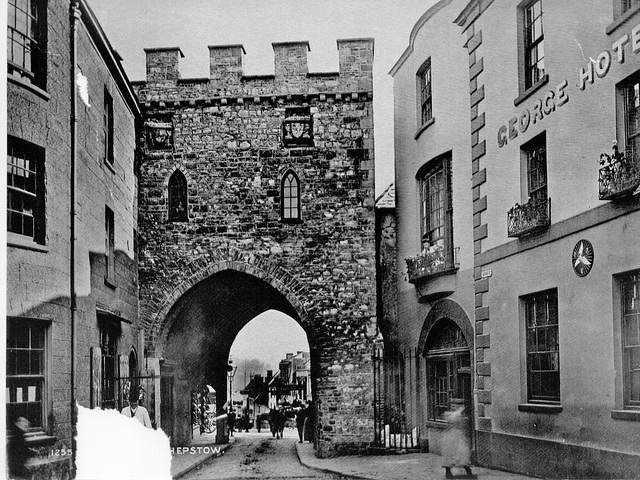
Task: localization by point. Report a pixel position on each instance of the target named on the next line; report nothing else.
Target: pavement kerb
(187, 468)
(306, 463)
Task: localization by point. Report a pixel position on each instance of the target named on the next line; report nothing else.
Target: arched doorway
(446, 345)
(201, 328)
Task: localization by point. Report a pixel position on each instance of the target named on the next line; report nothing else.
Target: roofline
(109, 56)
(426, 16)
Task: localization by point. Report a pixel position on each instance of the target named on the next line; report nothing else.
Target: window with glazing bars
(628, 5)
(632, 118)
(25, 189)
(630, 289)
(543, 349)
(536, 152)
(26, 23)
(25, 371)
(533, 43)
(424, 78)
(433, 192)
(290, 197)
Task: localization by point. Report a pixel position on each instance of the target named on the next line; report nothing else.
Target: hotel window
(533, 41)
(109, 350)
(26, 40)
(629, 98)
(290, 198)
(25, 189)
(109, 245)
(107, 127)
(626, 5)
(543, 353)
(26, 371)
(535, 153)
(178, 197)
(448, 370)
(630, 293)
(424, 87)
(436, 206)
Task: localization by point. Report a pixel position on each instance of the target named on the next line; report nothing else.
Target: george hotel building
(518, 216)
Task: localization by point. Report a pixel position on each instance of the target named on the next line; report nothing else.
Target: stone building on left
(72, 295)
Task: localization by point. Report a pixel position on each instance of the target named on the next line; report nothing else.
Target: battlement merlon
(290, 63)
(163, 64)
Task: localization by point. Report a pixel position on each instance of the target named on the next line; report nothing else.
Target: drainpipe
(74, 17)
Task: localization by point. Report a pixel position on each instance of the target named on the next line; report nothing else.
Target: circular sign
(582, 258)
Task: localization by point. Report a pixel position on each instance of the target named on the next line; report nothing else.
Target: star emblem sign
(582, 258)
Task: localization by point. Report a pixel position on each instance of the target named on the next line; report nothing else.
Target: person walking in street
(136, 410)
(231, 420)
(300, 418)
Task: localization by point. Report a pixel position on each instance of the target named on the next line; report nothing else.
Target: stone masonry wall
(227, 141)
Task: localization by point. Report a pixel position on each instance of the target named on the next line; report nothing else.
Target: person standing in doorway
(136, 410)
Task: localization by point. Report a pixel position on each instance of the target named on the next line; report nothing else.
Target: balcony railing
(533, 216)
(619, 176)
(431, 263)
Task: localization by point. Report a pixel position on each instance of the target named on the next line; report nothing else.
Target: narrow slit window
(178, 197)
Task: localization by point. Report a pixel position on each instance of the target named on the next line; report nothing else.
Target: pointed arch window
(178, 197)
(290, 197)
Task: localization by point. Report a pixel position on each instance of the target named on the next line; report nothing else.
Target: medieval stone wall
(225, 135)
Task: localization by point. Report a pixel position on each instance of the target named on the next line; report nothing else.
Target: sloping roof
(388, 198)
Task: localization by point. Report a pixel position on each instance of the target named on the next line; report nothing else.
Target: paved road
(259, 455)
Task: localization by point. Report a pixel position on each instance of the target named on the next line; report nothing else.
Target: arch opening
(202, 326)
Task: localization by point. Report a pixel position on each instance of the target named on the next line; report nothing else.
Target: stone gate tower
(256, 193)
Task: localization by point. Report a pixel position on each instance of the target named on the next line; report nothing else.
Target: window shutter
(96, 378)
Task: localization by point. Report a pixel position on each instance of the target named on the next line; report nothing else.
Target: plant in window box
(529, 217)
(619, 174)
(429, 261)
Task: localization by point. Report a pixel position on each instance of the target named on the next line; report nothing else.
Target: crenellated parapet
(227, 82)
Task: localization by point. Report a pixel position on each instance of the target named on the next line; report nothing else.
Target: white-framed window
(533, 41)
(630, 328)
(542, 347)
(26, 40)
(425, 92)
(629, 114)
(26, 371)
(25, 189)
(436, 209)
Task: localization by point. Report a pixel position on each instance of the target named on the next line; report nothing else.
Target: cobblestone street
(259, 455)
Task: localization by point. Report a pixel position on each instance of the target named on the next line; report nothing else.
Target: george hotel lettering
(596, 68)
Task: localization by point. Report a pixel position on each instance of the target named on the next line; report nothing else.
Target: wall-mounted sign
(486, 273)
(297, 128)
(582, 258)
(596, 68)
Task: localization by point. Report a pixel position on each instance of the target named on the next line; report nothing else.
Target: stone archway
(446, 348)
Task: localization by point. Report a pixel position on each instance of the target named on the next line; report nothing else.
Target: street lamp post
(231, 374)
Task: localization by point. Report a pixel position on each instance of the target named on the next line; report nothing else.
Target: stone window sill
(39, 439)
(632, 415)
(424, 126)
(27, 86)
(540, 408)
(613, 26)
(20, 241)
(531, 90)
